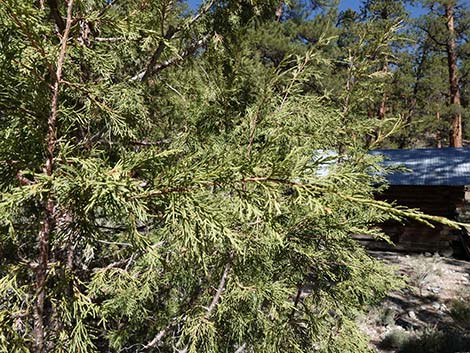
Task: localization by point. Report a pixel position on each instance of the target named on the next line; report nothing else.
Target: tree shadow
(427, 321)
(448, 340)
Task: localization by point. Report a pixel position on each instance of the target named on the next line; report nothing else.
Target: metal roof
(428, 166)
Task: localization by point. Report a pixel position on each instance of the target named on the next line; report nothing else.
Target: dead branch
(113, 39)
(114, 243)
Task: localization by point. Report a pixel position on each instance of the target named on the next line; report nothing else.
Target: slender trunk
(279, 11)
(48, 222)
(414, 98)
(438, 133)
(41, 274)
(382, 107)
(383, 101)
(451, 48)
(380, 112)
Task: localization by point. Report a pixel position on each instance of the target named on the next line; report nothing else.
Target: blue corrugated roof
(429, 166)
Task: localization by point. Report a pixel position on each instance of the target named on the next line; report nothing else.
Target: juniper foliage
(160, 189)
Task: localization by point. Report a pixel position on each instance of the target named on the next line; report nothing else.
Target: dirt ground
(427, 304)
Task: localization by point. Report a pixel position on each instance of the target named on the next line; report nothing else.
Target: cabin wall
(444, 201)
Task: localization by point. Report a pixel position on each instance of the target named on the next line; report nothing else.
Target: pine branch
(32, 40)
(182, 55)
(158, 52)
(101, 105)
(162, 333)
(108, 5)
(202, 11)
(434, 39)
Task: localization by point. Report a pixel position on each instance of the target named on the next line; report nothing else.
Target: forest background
(165, 179)
(423, 40)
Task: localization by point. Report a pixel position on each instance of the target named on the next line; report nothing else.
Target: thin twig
(150, 143)
(115, 264)
(241, 349)
(155, 68)
(152, 66)
(114, 39)
(176, 59)
(114, 243)
(31, 39)
(183, 189)
(55, 13)
(156, 340)
(221, 287)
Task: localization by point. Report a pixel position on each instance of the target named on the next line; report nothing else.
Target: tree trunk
(404, 139)
(438, 133)
(49, 209)
(279, 11)
(451, 49)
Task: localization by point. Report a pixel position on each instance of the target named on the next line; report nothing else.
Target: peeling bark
(47, 225)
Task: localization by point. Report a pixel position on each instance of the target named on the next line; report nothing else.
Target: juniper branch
(221, 287)
(152, 66)
(48, 223)
(55, 13)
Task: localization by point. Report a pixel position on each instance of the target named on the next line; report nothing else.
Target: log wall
(442, 201)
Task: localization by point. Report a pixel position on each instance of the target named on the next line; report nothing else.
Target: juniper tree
(163, 189)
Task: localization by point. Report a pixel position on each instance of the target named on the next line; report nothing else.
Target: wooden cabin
(436, 181)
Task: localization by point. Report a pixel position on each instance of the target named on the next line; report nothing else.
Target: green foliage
(426, 271)
(396, 338)
(188, 205)
(460, 310)
(432, 340)
(428, 340)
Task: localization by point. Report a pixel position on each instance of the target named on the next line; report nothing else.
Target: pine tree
(446, 26)
(370, 42)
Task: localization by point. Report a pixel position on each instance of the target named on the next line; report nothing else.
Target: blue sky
(415, 11)
(344, 4)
